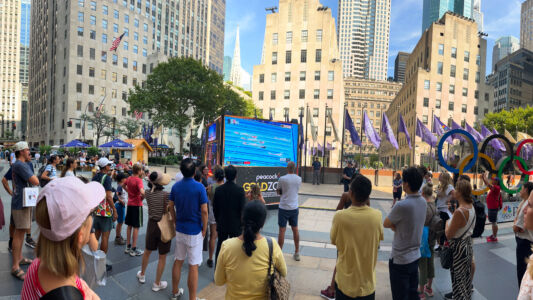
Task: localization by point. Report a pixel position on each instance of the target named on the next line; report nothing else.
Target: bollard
(165, 169)
(376, 172)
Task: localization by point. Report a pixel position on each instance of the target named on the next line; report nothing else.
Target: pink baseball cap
(69, 203)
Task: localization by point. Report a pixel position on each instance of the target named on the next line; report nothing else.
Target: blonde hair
(255, 191)
(464, 188)
(427, 189)
(447, 179)
(60, 258)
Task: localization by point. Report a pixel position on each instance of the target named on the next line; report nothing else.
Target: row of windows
(103, 90)
(303, 37)
(114, 59)
(301, 94)
(303, 56)
(274, 76)
(453, 54)
(103, 75)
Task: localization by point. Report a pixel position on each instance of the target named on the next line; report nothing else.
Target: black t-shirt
(348, 172)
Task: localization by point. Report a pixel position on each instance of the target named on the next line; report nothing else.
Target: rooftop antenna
(272, 9)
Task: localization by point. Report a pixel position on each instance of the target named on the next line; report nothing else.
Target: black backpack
(42, 182)
(481, 216)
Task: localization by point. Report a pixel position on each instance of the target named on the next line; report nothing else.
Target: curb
(337, 197)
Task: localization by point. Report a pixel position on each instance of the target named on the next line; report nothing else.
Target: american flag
(116, 42)
(99, 110)
(138, 115)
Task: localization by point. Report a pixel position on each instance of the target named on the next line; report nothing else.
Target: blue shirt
(188, 196)
(21, 173)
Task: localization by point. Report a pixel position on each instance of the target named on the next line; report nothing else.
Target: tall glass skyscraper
(24, 73)
(435, 9)
(363, 37)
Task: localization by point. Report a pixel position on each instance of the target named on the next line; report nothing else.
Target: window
(441, 49)
(452, 89)
(477, 77)
(289, 37)
(93, 20)
(126, 19)
(115, 59)
(81, 3)
(286, 94)
(467, 56)
(78, 87)
(114, 110)
(450, 106)
(114, 77)
(80, 31)
(272, 95)
(91, 72)
(80, 16)
(135, 36)
(426, 102)
(103, 74)
(465, 92)
(125, 62)
(115, 28)
(93, 5)
(437, 104)
(274, 39)
(319, 35)
(274, 58)
(316, 94)
(80, 51)
(288, 57)
(476, 94)
(463, 108)
(454, 52)
(134, 66)
(476, 110)
(465, 74)
(79, 69)
(104, 9)
(439, 67)
(287, 76)
(273, 77)
(114, 93)
(145, 27)
(427, 84)
(261, 95)
(91, 89)
(303, 56)
(115, 14)
(330, 94)
(125, 45)
(452, 71)
(302, 75)
(104, 56)
(478, 60)
(135, 49)
(136, 23)
(315, 112)
(92, 35)
(317, 75)
(78, 105)
(145, 40)
(304, 36)
(301, 94)
(261, 78)
(331, 75)
(104, 38)
(318, 55)
(439, 87)
(124, 79)
(425, 119)
(145, 53)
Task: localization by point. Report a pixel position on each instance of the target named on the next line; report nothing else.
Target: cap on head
(69, 203)
(103, 162)
(21, 146)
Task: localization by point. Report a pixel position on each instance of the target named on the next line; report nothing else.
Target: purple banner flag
(320, 148)
(440, 128)
(370, 132)
(485, 132)
(403, 128)
(385, 127)
(477, 136)
(457, 136)
(425, 134)
(499, 145)
(348, 124)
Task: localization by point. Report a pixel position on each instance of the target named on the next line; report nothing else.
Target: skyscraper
(526, 25)
(235, 73)
(503, 47)
(25, 25)
(81, 72)
(399, 66)
(433, 10)
(363, 38)
(227, 67)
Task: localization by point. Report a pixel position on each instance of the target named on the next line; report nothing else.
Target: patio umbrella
(75, 144)
(120, 144)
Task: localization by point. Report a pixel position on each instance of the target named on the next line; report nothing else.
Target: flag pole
(343, 133)
(431, 157)
(361, 147)
(305, 154)
(397, 163)
(324, 145)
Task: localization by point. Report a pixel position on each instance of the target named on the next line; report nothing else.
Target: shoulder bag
(166, 226)
(446, 254)
(278, 287)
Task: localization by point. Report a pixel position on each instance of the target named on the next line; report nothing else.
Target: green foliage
(129, 128)
(518, 119)
(248, 93)
(167, 160)
(92, 151)
(45, 149)
(101, 122)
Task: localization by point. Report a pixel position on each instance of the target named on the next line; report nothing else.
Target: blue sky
(501, 18)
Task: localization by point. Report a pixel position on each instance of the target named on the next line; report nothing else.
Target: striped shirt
(32, 289)
(157, 202)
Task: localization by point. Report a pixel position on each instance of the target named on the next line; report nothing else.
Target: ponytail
(248, 234)
(253, 219)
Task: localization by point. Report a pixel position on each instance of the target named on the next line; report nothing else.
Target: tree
(518, 119)
(100, 122)
(129, 128)
(181, 89)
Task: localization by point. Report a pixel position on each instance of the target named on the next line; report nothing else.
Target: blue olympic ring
(473, 143)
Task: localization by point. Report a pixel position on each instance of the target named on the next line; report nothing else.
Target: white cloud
(504, 24)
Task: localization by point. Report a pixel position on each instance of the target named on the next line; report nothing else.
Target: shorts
(189, 246)
(103, 224)
(153, 239)
(21, 218)
(493, 215)
(211, 215)
(397, 195)
(134, 216)
(287, 215)
(121, 211)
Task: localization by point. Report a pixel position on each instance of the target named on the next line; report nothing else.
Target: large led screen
(258, 143)
(212, 132)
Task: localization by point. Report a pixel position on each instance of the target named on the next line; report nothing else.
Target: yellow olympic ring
(491, 163)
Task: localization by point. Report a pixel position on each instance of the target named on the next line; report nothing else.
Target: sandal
(19, 274)
(25, 261)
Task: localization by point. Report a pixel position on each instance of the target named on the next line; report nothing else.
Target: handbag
(446, 254)
(29, 196)
(278, 288)
(166, 226)
(95, 266)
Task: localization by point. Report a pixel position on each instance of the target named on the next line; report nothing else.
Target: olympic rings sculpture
(496, 170)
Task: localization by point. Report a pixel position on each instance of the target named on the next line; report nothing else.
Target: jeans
(316, 176)
(523, 251)
(340, 296)
(404, 280)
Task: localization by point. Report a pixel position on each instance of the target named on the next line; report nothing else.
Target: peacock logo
(507, 209)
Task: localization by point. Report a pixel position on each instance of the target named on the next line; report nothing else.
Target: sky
(501, 18)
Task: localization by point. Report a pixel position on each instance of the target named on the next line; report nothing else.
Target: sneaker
(327, 293)
(296, 256)
(494, 239)
(449, 295)
(136, 252)
(421, 295)
(128, 250)
(178, 295)
(491, 238)
(30, 242)
(428, 291)
(161, 286)
(142, 278)
(120, 241)
(210, 263)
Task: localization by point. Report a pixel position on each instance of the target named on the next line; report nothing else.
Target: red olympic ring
(518, 149)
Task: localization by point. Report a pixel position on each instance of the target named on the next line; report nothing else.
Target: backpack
(435, 225)
(481, 216)
(42, 182)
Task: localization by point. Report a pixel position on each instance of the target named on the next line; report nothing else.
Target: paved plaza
(495, 276)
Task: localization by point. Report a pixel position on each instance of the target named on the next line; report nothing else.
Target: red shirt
(134, 185)
(494, 201)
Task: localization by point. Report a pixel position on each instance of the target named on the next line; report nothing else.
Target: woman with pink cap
(63, 214)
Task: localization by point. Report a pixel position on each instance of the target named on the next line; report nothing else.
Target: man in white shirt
(288, 187)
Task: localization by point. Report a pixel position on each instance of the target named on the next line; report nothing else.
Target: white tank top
(469, 223)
